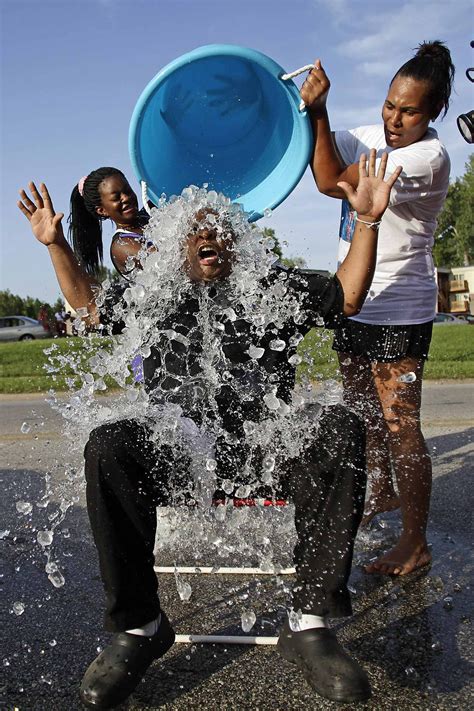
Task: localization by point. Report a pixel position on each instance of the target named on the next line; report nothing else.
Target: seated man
(128, 473)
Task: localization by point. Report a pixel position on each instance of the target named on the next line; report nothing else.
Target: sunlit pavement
(413, 634)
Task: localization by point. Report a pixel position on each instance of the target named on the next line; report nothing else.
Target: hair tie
(80, 185)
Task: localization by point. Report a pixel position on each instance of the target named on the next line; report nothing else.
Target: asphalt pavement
(412, 634)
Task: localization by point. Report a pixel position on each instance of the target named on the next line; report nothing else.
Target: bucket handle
(291, 75)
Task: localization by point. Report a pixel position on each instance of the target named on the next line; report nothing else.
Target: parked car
(22, 328)
(448, 320)
(467, 318)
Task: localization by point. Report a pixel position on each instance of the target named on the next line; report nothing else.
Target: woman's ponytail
(85, 233)
(432, 63)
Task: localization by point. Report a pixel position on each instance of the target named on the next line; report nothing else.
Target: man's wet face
(209, 248)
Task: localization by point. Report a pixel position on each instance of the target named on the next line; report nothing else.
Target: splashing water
(203, 399)
(407, 377)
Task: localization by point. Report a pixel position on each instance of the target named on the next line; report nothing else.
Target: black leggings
(127, 477)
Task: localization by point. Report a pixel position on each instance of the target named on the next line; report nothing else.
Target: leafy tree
(270, 232)
(287, 261)
(454, 237)
(12, 304)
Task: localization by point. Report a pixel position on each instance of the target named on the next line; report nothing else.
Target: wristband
(373, 225)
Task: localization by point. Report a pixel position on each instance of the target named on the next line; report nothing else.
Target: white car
(448, 320)
(22, 328)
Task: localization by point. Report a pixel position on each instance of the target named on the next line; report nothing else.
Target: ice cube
(248, 620)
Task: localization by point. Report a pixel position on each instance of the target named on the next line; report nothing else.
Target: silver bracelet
(372, 225)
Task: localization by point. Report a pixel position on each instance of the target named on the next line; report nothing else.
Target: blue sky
(72, 71)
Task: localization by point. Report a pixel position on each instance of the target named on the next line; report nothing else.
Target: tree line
(454, 236)
(14, 305)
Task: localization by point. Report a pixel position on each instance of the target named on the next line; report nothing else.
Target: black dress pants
(127, 477)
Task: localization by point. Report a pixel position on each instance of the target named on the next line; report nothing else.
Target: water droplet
(267, 212)
(24, 507)
(18, 608)
(268, 463)
(25, 428)
(437, 646)
(248, 619)
(448, 602)
(184, 589)
(295, 359)
(228, 486)
(243, 491)
(271, 401)
(56, 578)
(211, 465)
(277, 345)
(294, 340)
(407, 378)
(53, 643)
(45, 538)
(249, 427)
(255, 352)
(294, 619)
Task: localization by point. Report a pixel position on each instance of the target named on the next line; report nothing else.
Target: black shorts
(383, 344)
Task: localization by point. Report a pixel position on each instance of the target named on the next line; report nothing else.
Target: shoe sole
(332, 695)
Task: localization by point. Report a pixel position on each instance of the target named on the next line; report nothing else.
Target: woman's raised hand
(372, 195)
(44, 221)
(315, 89)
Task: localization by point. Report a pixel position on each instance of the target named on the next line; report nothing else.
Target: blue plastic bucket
(221, 115)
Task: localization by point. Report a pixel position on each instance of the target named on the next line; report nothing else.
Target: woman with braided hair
(382, 349)
(106, 194)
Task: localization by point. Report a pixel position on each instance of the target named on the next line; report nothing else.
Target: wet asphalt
(413, 634)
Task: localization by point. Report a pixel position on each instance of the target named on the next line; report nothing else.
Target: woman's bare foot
(379, 504)
(408, 555)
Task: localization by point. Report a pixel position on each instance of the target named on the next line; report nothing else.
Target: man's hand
(44, 221)
(372, 195)
(315, 89)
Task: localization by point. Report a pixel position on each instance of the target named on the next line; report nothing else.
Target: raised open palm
(373, 192)
(44, 221)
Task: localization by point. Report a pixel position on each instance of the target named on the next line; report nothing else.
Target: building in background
(455, 290)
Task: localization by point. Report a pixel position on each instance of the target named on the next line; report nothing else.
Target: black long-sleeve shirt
(174, 371)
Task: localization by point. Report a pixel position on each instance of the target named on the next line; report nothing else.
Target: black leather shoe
(112, 677)
(325, 664)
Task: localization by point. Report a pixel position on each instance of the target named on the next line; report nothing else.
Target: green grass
(22, 363)
(21, 370)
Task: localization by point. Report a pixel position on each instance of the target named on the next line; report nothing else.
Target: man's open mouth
(208, 255)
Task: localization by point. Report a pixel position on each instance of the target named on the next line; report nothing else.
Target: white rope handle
(291, 75)
(145, 197)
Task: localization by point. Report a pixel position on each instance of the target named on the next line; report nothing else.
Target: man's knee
(339, 441)
(339, 425)
(104, 437)
(113, 439)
